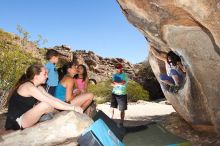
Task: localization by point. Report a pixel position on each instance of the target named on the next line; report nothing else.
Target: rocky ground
(143, 112)
(176, 125)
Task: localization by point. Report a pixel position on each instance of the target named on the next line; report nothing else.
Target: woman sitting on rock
(81, 79)
(29, 101)
(65, 89)
(174, 68)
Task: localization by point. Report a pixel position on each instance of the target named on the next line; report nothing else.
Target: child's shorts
(119, 101)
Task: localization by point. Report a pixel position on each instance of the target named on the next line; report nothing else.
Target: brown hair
(34, 69)
(50, 53)
(85, 74)
(64, 70)
(174, 58)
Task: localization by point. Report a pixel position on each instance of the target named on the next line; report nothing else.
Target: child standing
(52, 56)
(81, 79)
(119, 94)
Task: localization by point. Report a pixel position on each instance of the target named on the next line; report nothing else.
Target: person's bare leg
(83, 100)
(87, 107)
(33, 115)
(86, 103)
(122, 116)
(112, 112)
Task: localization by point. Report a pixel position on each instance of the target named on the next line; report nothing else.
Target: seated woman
(29, 101)
(65, 89)
(174, 67)
(81, 79)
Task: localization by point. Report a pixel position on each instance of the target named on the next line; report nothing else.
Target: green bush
(13, 61)
(5, 36)
(136, 92)
(102, 91)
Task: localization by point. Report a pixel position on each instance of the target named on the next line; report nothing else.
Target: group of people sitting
(29, 100)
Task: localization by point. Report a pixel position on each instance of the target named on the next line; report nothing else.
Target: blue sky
(96, 25)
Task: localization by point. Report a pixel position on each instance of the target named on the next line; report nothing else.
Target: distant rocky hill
(101, 68)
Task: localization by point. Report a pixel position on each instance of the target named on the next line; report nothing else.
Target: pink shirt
(80, 84)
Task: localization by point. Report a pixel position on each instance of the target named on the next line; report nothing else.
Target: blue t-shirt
(52, 74)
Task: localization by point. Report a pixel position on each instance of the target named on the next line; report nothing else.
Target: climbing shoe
(173, 89)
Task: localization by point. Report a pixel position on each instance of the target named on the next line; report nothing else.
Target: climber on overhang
(174, 69)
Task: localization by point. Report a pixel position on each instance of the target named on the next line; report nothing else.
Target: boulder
(192, 30)
(64, 128)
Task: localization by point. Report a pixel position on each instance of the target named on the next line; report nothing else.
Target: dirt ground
(144, 112)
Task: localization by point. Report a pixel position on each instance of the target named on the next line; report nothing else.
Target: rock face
(64, 128)
(99, 68)
(192, 30)
(102, 68)
(146, 77)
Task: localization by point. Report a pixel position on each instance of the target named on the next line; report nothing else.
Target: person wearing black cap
(119, 93)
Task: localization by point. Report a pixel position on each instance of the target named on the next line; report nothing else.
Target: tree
(23, 34)
(40, 41)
